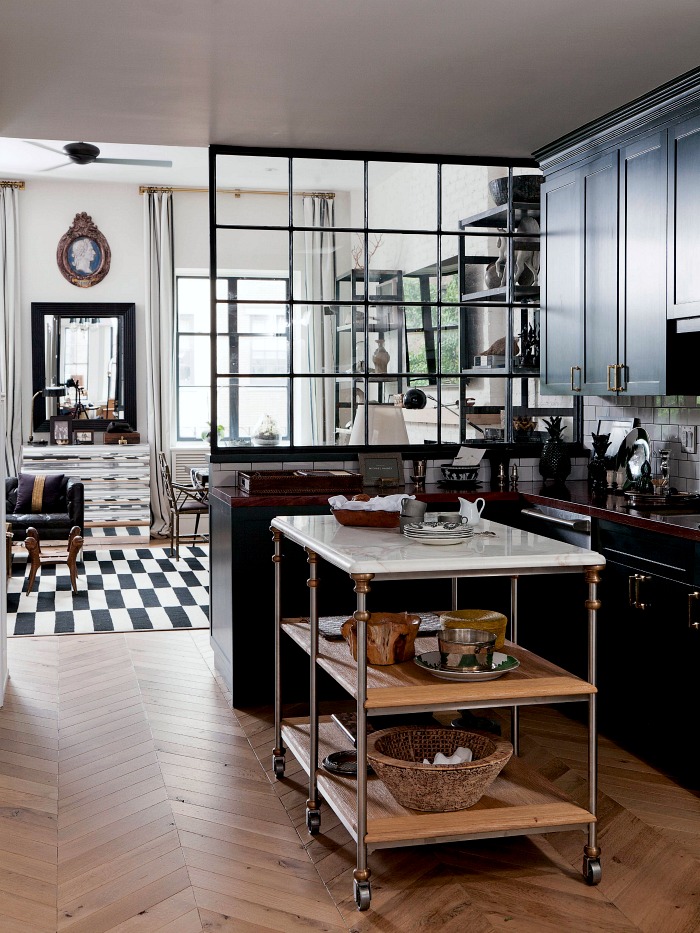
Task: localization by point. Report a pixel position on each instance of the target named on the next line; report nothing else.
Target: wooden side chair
(192, 501)
(53, 555)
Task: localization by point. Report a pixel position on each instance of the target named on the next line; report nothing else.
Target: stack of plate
(438, 532)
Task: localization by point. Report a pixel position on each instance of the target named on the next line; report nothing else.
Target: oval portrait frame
(83, 254)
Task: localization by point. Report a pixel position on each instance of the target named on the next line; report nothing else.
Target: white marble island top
(388, 554)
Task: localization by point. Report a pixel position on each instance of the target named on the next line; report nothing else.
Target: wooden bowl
(391, 637)
(365, 518)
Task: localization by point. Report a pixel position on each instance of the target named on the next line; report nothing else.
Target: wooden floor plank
(133, 799)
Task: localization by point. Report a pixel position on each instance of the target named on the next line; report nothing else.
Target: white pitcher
(471, 511)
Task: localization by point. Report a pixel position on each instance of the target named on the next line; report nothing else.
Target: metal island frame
(520, 801)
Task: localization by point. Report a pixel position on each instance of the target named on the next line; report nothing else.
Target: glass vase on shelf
(266, 433)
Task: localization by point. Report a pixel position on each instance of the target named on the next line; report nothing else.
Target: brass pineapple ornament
(555, 462)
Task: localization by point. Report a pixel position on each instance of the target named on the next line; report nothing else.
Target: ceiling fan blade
(42, 146)
(52, 167)
(156, 162)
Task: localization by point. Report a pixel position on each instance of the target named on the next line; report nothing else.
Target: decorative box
(115, 437)
(300, 482)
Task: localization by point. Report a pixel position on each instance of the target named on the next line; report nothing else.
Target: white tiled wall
(226, 474)
(662, 416)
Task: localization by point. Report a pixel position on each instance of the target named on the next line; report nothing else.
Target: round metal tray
(647, 500)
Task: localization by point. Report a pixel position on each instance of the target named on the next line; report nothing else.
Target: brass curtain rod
(237, 192)
(12, 184)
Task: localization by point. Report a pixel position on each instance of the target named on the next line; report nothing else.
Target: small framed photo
(60, 429)
(381, 469)
(83, 436)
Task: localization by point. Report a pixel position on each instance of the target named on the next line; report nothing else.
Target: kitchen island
(513, 804)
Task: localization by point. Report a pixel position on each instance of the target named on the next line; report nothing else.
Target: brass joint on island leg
(362, 581)
(278, 752)
(363, 616)
(592, 574)
(361, 874)
(312, 560)
(311, 804)
(593, 604)
(591, 851)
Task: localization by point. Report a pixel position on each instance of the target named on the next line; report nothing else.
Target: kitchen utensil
(470, 648)
(471, 510)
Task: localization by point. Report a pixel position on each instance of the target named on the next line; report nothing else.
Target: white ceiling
(466, 77)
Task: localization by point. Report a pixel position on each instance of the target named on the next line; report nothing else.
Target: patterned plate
(502, 664)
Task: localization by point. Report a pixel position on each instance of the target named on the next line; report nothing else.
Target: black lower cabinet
(649, 650)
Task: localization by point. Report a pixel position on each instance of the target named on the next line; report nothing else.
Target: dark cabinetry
(684, 219)
(603, 273)
(649, 648)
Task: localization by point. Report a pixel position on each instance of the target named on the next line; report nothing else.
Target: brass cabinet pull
(694, 610)
(617, 370)
(634, 583)
(574, 388)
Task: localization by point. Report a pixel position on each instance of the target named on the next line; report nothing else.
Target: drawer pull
(575, 369)
(634, 583)
(694, 610)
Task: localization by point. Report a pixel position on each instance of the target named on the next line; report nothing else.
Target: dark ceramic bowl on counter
(459, 474)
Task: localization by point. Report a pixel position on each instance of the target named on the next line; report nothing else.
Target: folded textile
(461, 754)
(377, 504)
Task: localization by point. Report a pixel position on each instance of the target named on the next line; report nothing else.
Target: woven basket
(397, 754)
(367, 518)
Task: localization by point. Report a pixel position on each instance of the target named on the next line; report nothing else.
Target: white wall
(47, 209)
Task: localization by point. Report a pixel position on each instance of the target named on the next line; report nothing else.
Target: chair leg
(177, 537)
(74, 546)
(196, 526)
(172, 533)
(32, 546)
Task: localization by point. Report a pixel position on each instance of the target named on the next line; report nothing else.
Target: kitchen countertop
(575, 497)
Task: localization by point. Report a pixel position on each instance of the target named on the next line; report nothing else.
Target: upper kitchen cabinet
(621, 236)
(684, 219)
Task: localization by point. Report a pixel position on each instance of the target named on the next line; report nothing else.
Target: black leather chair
(70, 511)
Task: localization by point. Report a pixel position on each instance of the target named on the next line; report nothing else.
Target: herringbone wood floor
(133, 799)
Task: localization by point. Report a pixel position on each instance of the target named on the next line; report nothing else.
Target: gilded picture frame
(83, 254)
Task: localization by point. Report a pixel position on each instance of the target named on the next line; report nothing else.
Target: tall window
(397, 273)
(251, 339)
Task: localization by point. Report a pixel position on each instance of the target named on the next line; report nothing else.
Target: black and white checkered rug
(119, 590)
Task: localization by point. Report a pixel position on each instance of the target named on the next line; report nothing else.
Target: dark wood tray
(289, 482)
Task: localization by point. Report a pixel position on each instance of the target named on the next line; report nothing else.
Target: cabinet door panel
(599, 188)
(643, 199)
(684, 219)
(560, 284)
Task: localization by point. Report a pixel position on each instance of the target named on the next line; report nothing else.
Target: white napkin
(377, 504)
(461, 754)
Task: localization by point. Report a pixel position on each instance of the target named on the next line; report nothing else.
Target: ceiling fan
(85, 153)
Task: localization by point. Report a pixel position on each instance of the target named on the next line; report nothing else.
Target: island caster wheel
(278, 766)
(313, 821)
(363, 894)
(592, 871)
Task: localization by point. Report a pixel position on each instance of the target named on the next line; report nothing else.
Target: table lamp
(386, 425)
(47, 392)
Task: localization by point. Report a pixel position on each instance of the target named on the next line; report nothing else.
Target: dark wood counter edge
(575, 497)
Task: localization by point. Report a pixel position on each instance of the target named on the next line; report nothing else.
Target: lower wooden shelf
(519, 802)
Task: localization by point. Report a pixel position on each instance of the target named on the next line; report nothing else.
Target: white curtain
(314, 345)
(10, 356)
(160, 311)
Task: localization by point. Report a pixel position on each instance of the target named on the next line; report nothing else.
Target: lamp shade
(54, 391)
(386, 425)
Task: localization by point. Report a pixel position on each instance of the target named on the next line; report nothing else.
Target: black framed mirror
(91, 349)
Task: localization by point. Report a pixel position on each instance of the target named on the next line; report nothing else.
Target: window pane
(402, 195)
(483, 338)
(193, 362)
(260, 250)
(193, 412)
(255, 334)
(398, 255)
(193, 304)
(465, 193)
(484, 400)
(245, 405)
(318, 257)
(235, 206)
(343, 178)
(323, 411)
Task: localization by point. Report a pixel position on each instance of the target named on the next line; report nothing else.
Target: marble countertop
(388, 554)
